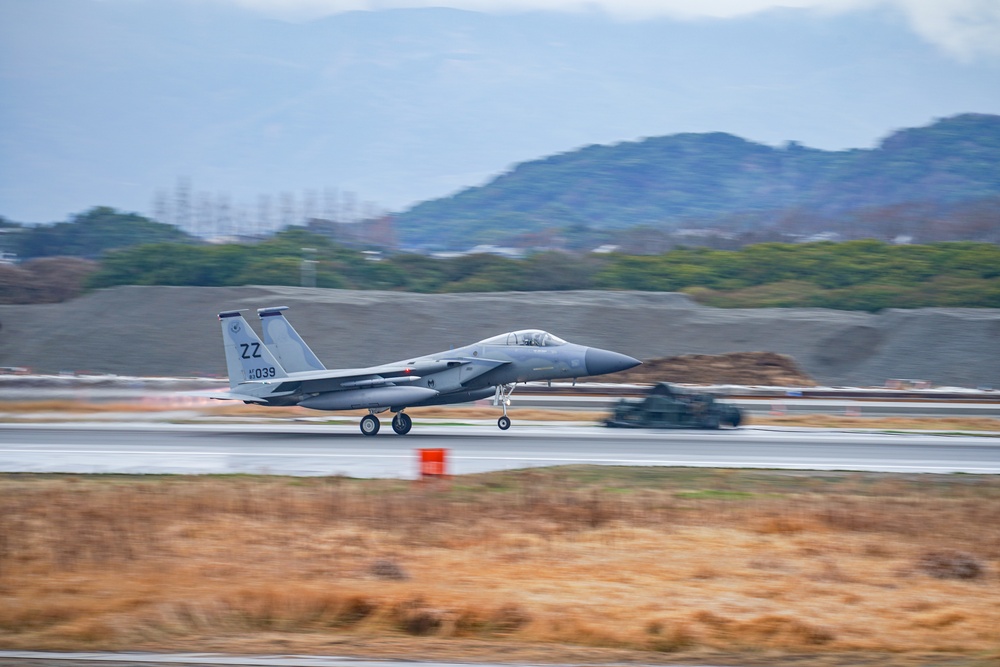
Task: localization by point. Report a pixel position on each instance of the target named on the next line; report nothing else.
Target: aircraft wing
(372, 376)
(482, 366)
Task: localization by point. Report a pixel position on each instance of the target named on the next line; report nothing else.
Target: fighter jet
(283, 370)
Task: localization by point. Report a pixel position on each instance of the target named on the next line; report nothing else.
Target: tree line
(855, 275)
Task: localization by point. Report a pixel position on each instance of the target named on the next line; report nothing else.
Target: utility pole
(308, 267)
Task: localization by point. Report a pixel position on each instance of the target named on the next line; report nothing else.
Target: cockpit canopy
(533, 337)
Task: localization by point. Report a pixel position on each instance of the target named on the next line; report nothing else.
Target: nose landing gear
(502, 398)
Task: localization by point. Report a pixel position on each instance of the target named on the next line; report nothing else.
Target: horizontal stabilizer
(230, 396)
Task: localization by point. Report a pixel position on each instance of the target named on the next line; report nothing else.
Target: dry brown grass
(78, 407)
(673, 561)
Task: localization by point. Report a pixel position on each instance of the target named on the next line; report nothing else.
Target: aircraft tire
(370, 425)
(504, 423)
(402, 423)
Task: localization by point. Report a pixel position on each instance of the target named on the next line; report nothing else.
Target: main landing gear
(370, 424)
(401, 423)
(502, 398)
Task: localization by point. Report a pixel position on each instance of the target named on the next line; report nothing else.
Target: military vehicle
(667, 406)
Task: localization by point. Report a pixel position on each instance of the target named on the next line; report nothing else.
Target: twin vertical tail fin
(247, 358)
(285, 343)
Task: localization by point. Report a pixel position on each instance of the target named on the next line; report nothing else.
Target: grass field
(562, 564)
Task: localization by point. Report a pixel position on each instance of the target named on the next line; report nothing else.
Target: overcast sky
(966, 29)
(111, 101)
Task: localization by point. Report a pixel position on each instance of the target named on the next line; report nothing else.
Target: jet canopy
(532, 337)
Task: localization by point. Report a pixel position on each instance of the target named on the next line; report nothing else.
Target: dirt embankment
(742, 368)
(174, 331)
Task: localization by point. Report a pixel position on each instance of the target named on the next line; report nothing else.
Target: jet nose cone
(600, 361)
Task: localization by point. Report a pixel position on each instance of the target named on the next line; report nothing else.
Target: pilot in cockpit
(535, 338)
(527, 337)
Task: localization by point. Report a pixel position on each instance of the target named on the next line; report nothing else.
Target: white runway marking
(188, 452)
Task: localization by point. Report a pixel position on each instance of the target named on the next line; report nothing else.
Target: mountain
(708, 179)
(105, 102)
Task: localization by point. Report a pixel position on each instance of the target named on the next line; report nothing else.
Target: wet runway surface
(309, 449)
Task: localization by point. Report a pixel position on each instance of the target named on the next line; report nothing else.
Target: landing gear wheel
(370, 425)
(402, 423)
(501, 397)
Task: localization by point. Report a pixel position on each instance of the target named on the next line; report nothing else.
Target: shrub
(951, 564)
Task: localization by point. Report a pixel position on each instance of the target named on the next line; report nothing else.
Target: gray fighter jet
(282, 370)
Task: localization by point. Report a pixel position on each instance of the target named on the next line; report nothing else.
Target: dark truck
(666, 406)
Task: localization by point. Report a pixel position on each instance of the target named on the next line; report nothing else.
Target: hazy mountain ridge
(669, 181)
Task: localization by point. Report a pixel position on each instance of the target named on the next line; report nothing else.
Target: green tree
(92, 233)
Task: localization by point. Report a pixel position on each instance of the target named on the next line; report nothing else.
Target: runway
(310, 449)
